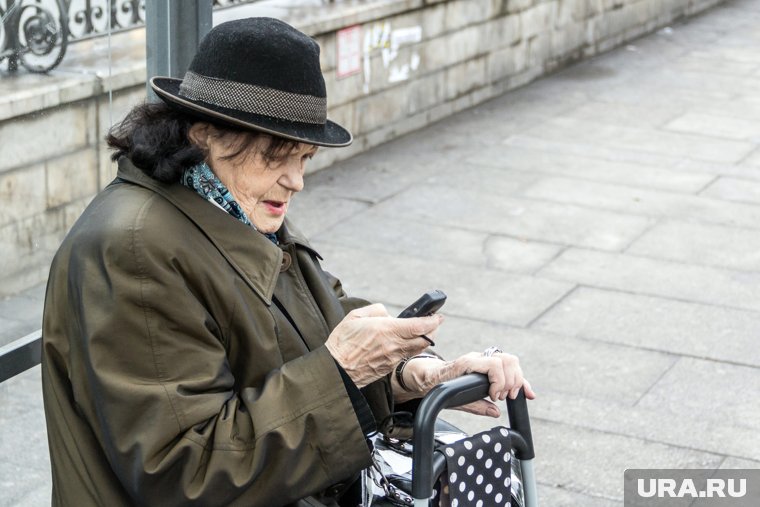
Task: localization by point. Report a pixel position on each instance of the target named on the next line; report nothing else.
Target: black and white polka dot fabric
(479, 470)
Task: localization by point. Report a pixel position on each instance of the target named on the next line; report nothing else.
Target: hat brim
(330, 134)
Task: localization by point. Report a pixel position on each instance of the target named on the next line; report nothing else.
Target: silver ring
(491, 351)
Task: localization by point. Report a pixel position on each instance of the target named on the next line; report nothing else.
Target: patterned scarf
(204, 182)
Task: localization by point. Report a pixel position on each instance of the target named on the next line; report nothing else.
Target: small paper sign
(349, 51)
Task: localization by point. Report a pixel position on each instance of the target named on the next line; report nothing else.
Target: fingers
(498, 378)
(404, 328)
(504, 374)
(529, 393)
(517, 379)
(413, 346)
(417, 326)
(434, 334)
(481, 407)
(368, 343)
(374, 310)
(511, 373)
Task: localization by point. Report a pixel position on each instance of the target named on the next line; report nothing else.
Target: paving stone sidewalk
(603, 223)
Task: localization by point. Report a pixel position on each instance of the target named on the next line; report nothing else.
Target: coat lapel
(300, 305)
(256, 259)
(290, 234)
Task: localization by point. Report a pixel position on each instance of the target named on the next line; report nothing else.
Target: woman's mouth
(276, 207)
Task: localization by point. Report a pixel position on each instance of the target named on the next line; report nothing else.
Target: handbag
(481, 471)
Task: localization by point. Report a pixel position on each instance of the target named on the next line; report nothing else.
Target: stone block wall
(470, 51)
(421, 60)
(53, 163)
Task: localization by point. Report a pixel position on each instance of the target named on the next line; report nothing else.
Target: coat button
(286, 262)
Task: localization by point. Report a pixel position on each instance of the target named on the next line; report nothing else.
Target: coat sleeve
(378, 394)
(160, 396)
(347, 302)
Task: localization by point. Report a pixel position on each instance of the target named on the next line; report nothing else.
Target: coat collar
(288, 233)
(256, 259)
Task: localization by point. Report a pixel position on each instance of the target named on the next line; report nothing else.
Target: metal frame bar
(529, 483)
(460, 391)
(20, 355)
(173, 31)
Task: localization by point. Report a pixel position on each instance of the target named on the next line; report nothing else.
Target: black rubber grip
(454, 393)
(519, 422)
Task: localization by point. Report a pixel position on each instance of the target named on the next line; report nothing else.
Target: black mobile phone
(428, 304)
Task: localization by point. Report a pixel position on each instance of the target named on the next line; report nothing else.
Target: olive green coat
(172, 375)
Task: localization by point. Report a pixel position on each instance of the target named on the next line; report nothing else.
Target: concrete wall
(421, 61)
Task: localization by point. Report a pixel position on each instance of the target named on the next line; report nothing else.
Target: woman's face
(262, 187)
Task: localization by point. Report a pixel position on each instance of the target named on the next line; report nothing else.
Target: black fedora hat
(260, 74)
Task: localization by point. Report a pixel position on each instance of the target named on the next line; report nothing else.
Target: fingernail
(493, 411)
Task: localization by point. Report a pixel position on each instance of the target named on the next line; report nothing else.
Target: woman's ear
(198, 134)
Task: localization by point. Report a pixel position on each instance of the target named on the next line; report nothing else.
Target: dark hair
(154, 136)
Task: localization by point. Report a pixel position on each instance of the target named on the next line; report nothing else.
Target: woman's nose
(292, 178)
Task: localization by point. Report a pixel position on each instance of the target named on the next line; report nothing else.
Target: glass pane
(64, 79)
(69, 70)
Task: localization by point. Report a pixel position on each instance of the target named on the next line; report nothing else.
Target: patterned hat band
(254, 99)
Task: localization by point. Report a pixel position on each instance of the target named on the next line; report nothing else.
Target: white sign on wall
(349, 51)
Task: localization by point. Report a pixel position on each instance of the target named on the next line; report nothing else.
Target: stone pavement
(602, 223)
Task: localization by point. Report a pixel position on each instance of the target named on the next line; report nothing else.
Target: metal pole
(529, 483)
(12, 29)
(173, 31)
(20, 355)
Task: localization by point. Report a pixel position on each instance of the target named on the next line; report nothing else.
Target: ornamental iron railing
(35, 34)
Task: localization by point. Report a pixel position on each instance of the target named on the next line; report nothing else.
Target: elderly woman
(195, 352)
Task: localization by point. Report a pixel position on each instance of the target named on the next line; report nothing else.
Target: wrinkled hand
(503, 371)
(368, 342)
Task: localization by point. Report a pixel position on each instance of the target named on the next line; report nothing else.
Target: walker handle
(454, 393)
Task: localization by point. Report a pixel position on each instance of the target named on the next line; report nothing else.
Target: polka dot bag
(479, 471)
